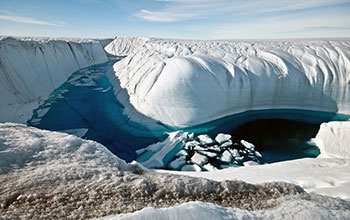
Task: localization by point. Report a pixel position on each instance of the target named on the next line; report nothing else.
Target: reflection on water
(280, 139)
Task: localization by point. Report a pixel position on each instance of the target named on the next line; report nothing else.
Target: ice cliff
(185, 83)
(31, 68)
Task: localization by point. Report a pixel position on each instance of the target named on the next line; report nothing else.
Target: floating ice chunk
(235, 153)
(199, 159)
(199, 148)
(191, 144)
(181, 153)
(191, 136)
(250, 163)
(239, 158)
(177, 163)
(226, 144)
(248, 145)
(209, 167)
(159, 155)
(215, 148)
(209, 153)
(190, 167)
(221, 138)
(226, 156)
(205, 139)
(258, 154)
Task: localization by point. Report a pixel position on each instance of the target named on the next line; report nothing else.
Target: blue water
(87, 100)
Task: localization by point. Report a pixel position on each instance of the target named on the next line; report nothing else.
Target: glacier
(164, 85)
(184, 83)
(32, 68)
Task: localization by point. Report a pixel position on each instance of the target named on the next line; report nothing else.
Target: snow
(327, 176)
(185, 83)
(294, 209)
(333, 139)
(31, 68)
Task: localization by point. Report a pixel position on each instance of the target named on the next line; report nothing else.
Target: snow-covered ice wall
(123, 46)
(31, 68)
(333, 139)
(185, 83)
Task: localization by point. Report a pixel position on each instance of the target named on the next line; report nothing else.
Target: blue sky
(189, 19)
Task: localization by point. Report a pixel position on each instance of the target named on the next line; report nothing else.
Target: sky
(185, 19)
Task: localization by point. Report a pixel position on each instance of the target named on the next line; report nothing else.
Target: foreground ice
(51, 175)
(185, 83)
(32, 68)
(293, 209)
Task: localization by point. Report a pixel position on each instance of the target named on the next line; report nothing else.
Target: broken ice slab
(205, 139)
(221, 138)
(226, 144)
(248, 145)
(191, 144)
(209, 167)
(226, 156)
(160, 154)
(208, 153)
(199, 159)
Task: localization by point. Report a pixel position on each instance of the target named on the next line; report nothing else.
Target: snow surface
(326, 176)
(294, 209)
(184, 83)
(31, 68)
(333, 139)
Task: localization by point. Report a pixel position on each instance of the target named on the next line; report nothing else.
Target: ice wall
(123, 46)
(333, 139)
(31, 68)
(186, 83)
